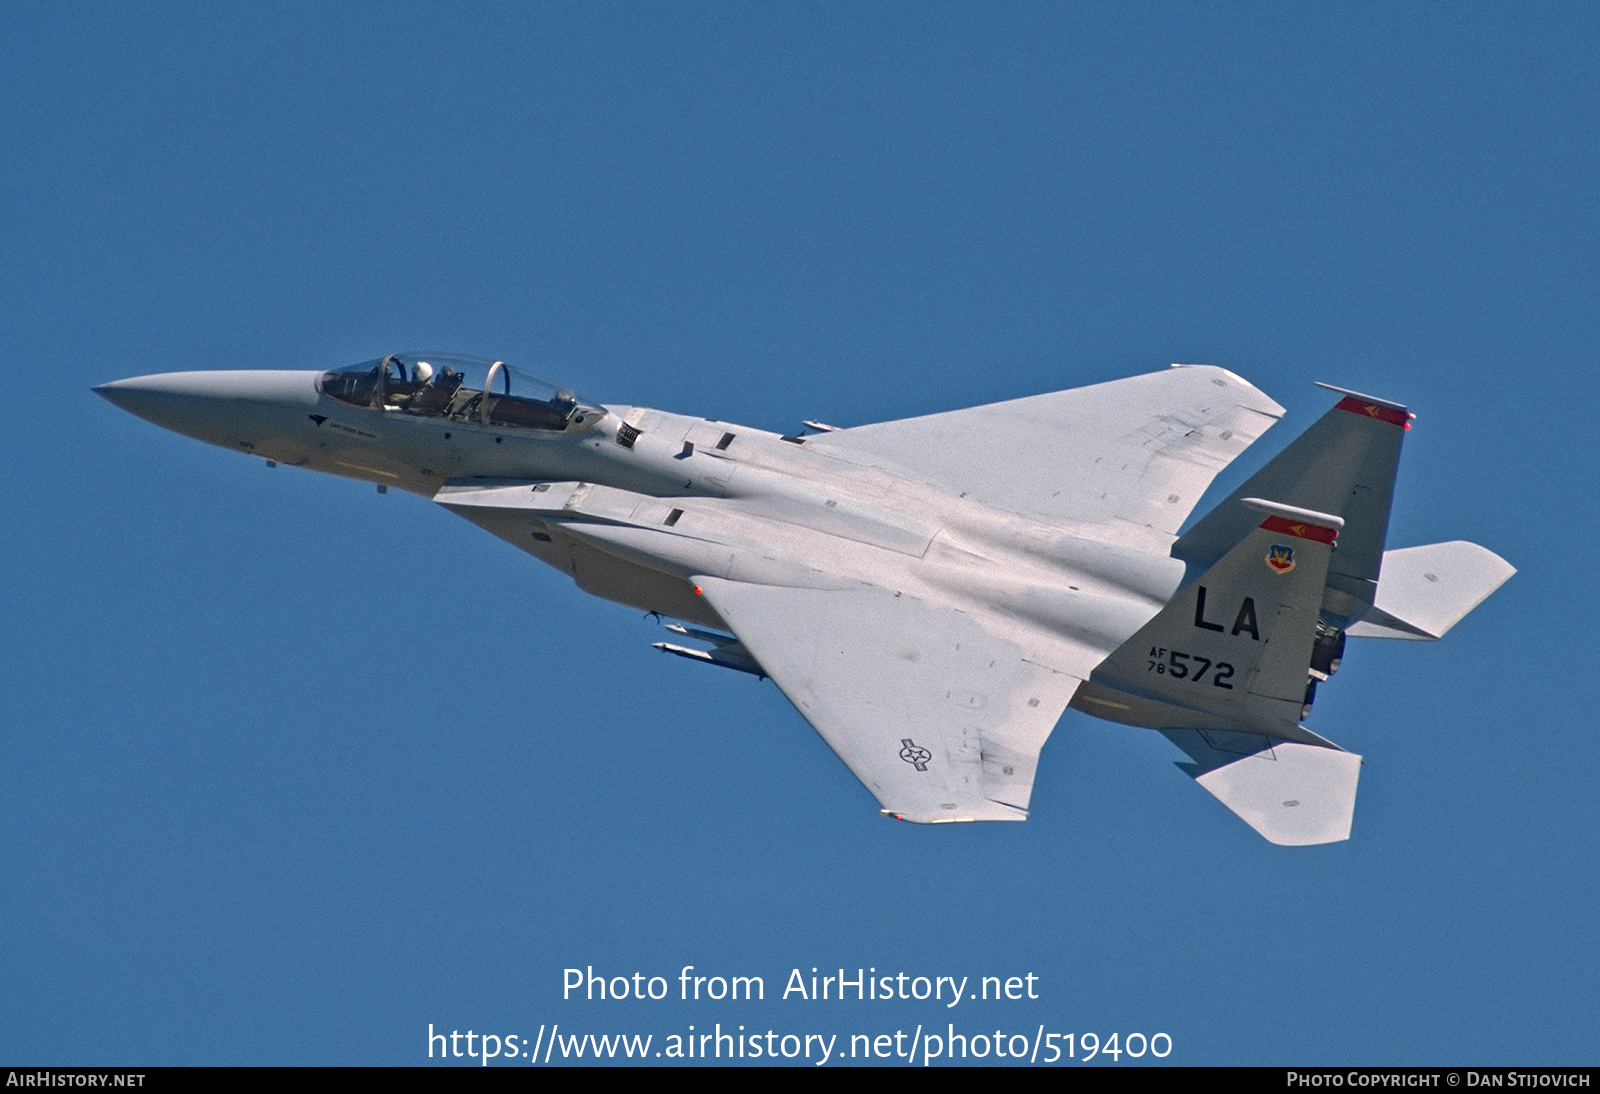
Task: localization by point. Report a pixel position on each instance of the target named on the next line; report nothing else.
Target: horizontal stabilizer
(1424, 591)
(1293, 794)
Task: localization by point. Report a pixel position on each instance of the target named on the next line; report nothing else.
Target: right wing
(940, 719)
(1141, 450)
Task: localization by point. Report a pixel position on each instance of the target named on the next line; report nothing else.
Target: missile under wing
(930, 593)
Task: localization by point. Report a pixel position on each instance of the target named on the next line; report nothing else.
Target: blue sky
(292, 770)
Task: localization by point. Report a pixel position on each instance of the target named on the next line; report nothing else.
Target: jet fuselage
(751, 505)
(930, 593)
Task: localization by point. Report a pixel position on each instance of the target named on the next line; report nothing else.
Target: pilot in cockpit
(435, 390)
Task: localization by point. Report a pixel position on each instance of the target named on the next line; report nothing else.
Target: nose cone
(157, 398)
(225, 408)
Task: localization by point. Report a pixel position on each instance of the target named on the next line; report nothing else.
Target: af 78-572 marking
(930, 593)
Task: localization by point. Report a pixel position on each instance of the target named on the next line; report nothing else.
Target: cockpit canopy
(443, 385)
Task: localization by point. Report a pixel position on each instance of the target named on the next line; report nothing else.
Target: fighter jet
(932, 593)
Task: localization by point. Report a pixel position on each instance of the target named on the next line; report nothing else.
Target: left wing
(939, 718)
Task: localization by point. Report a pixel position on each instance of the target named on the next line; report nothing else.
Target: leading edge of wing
(1142, 449)
(938, 718)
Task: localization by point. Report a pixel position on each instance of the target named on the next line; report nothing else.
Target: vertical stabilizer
(1344, 466)
(1231, 651)
(1223, 673)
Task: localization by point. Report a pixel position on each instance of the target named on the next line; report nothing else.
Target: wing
(1141, 450)
(939, 718)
